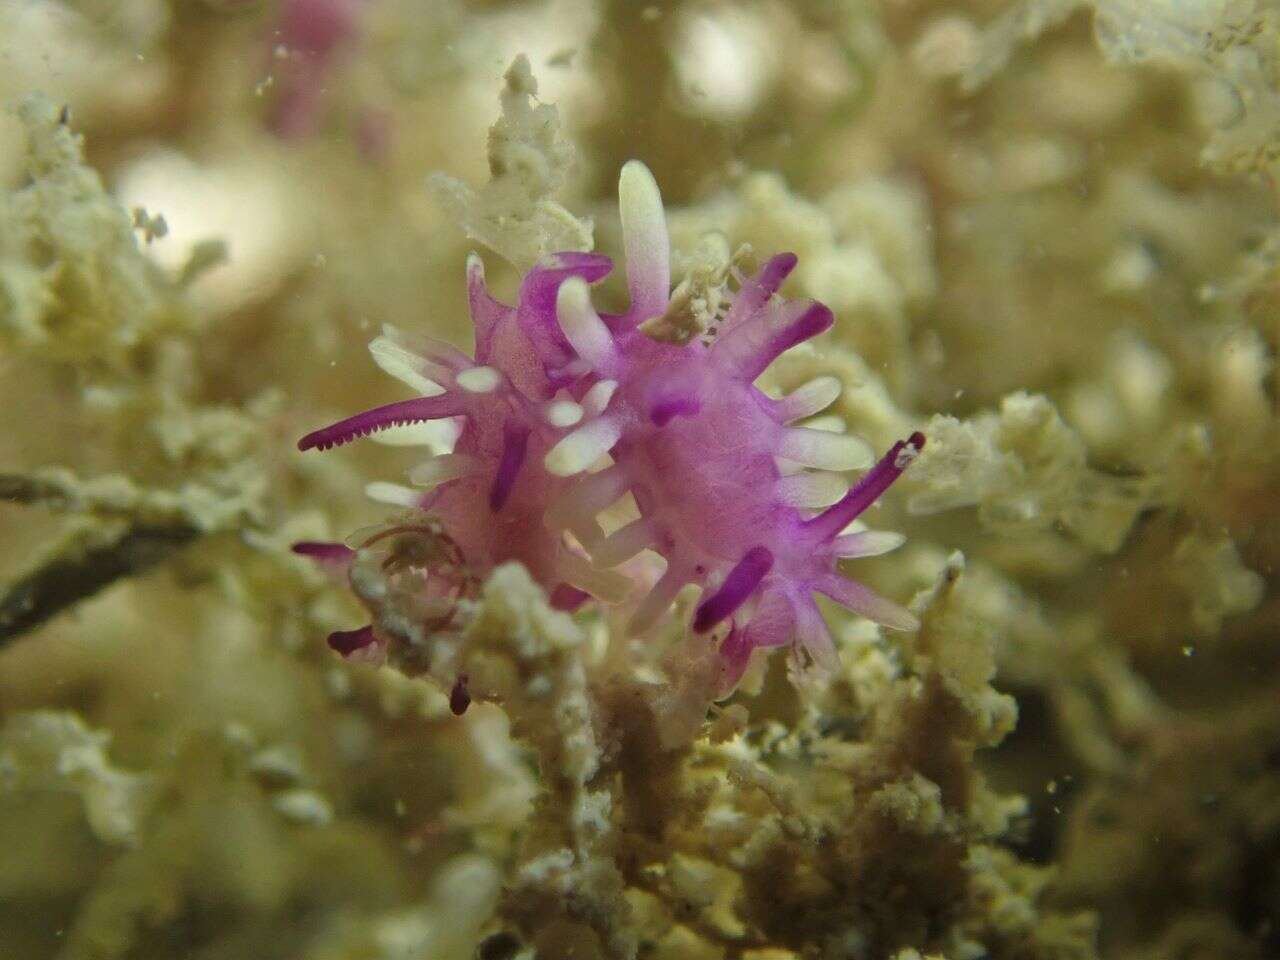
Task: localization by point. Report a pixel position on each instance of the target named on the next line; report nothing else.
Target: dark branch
(62, 582)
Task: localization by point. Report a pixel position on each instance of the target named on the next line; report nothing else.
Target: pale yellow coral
(73, 283)
(1026, 470)
(1216, 581)
(50, 751)
(529, 160)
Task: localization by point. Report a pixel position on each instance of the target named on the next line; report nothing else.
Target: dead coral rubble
(861, 829)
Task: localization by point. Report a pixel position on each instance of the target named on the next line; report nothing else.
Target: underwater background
(1047, 231)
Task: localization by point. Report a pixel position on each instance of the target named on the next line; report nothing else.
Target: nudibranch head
(564, 411)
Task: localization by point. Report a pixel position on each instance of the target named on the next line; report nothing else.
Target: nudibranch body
(490, 492)
(565, 411)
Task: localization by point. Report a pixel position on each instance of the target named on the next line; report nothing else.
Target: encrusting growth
(565, 411)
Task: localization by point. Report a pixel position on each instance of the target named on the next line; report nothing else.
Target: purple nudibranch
(564, 411)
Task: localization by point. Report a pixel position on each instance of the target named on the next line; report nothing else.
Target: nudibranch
(564, 411)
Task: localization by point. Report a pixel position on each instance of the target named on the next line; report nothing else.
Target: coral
(1216, 582)
(1221, 43)
(529, 161)
(73, 283)
(44, 750)
(640, 839)
(79, 291)
(1205, 881)
(1026, 470)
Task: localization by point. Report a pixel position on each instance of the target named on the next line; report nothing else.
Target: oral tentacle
(393, 494)
(604, 585)
(813, 635)
(439, 352)
(487, 314)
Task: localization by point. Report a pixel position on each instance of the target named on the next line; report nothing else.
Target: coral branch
(82, 566)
